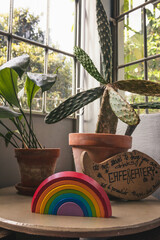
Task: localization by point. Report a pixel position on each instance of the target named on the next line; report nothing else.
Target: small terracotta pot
(99, 146)
(35, 165)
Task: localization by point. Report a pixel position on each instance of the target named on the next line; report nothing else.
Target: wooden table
(128, 218)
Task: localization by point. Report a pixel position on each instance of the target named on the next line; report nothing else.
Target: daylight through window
(44, 29)
(139, 44)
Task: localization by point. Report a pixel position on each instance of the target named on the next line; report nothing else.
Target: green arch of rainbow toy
(71, 193)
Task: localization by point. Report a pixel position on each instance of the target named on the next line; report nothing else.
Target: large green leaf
(7, 112)
(44, 81)
(88, 64)
(121, 108)
(142, 87)
(105, 40)
(8, 86)
(147, 105)
(73, 104)
(19, 64)
(31, 90)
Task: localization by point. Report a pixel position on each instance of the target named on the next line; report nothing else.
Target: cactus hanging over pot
(113, 106)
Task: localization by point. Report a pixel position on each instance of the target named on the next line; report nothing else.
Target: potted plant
(35, 162)
(104, 143)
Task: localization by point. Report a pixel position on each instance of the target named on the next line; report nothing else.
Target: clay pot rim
(54, 151)
(100, 140)
(36, 149)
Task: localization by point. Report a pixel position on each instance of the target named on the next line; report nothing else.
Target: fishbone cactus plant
(113, 106)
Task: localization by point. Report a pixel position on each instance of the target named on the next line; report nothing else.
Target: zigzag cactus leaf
(149, 105)
(73, 104)
(121, 108)
(105, 41)
(88, 64)
(143, 87)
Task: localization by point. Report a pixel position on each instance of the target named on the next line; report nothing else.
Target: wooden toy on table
(71, 194)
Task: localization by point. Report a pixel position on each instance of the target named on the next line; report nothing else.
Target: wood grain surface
(128, 218)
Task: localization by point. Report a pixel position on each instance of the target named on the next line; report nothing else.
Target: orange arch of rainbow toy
(71, 193)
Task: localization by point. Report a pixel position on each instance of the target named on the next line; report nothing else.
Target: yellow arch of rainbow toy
(67, 186)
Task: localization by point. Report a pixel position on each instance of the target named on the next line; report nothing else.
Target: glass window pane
(132, 72)
(135, 71)
(3, 49)
(154, 75)
(29, 20)
(4, 14)
(3, 54)
(131, 37)
(126, 5)
(154, 70)
(61, 24)
(62, 89)
(36, 65)
(153, 28)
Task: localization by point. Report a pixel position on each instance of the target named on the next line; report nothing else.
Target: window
(44, 29)
(138, 40)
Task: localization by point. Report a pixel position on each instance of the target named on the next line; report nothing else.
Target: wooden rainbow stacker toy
(71, 194)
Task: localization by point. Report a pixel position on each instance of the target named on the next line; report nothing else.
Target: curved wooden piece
(54, 187)
(129, 217)
(128, 175)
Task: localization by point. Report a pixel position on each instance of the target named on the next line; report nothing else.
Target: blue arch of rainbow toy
(75, 197)
(70, 199)
(70, 193)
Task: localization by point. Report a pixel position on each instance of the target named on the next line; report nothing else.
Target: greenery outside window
(45, 30)
(138, 42)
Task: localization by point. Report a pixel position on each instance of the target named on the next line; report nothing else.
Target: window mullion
(145, 49)
(10, 21)
(44, 97)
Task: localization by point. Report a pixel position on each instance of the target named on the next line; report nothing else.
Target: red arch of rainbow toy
(81, 187)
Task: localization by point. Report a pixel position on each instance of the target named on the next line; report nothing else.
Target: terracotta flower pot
(99, 146)
(35, 165)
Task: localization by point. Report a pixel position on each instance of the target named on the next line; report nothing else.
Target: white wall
(55, 135)
(90, 43)
(146, 137)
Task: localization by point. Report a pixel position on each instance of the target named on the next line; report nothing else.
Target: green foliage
(7, 112)
(105, 40)
(31, 90)
(143, 87)
(8, 86)
(134, 48)
(122, 108)
(111, 99)
(73, 104)
(9, 92)
(26, 25)
(88, 65)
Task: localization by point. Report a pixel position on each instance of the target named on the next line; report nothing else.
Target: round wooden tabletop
(128, 218)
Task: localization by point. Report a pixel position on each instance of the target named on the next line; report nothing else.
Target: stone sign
(128, 175)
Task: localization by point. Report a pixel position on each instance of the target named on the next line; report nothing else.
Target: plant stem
(10, 131)
(14, 145)
(30, 112)
(24, 138)
(34, 138)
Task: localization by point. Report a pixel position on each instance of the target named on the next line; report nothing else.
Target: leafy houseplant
(113, 106)
(23, 138)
